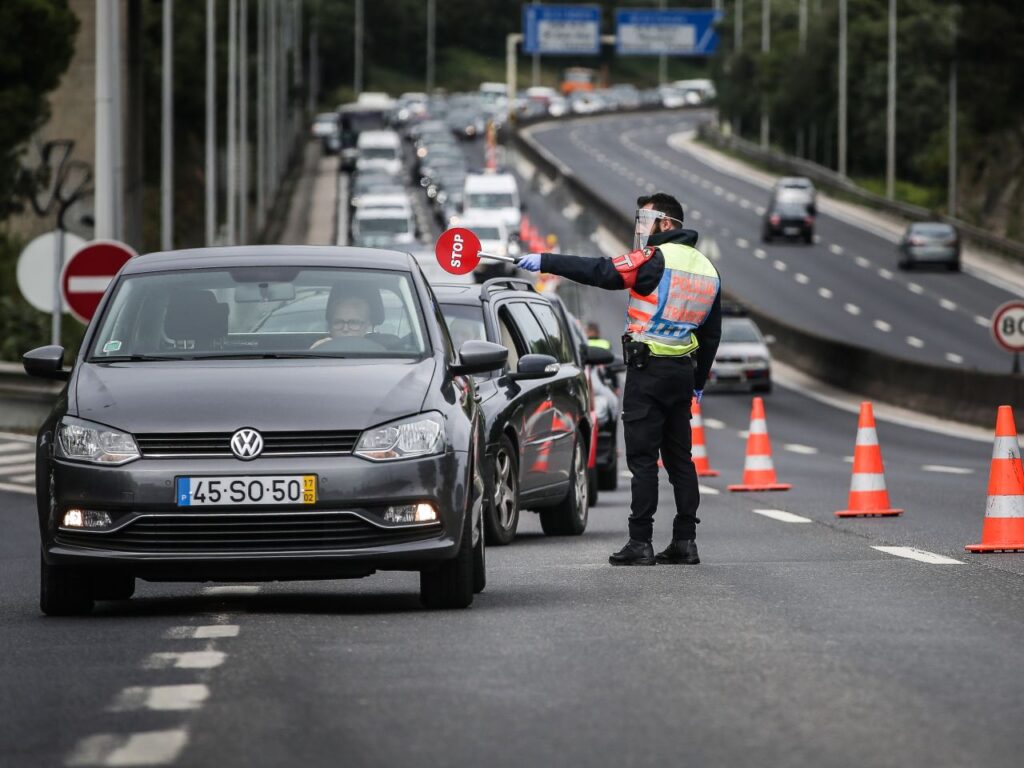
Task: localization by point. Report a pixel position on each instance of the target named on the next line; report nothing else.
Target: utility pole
(842, 88)
(766, 45)
(357, 82)
(802, 23)
(167, 131)
(261, 115)
(890, 112)
(738, 46)
(105, 83)
(243, 123)
(431, 40)
(211, 122)
(232, 159)
(116, 121)
(951, 201)
(272, 88)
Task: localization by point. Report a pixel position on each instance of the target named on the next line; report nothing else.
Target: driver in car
(346, 318)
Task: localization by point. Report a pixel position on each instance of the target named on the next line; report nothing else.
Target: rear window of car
(262, 311)
(933, 230)
(740, 331)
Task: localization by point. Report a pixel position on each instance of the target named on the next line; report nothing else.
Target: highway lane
(846, 286)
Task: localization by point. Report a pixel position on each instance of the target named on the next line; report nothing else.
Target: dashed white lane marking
(779, 265)
(572, 211)
(185, 660)
(862, 262)
(759, 253)
(651, 188)
(208, 632)
(954, 358)
(781, 515)
(944, 470)
(915, 288)
(853, 309)
(885, 274)
(17, 469)
(714, 423)
(805, 450)
(707, 490)
(17, 488)
(915, 342)
(730, 197)
(983, 321)
(232, 589)
(825, 293)
(718, 191)
(817, 239)
(911, 553)
(883, 326)
(744, 203)
(696, 215)
(9, 447)
(836, 249)
(16, 458)
(947, 304)
(149, 748)
(801, 278)
(162, 698)
(759, 210)
(742, 243)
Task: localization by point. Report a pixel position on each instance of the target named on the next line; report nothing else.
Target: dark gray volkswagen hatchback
(262, 413)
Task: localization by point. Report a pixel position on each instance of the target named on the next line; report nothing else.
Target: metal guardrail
(24, 401)
(831, 181)
(951, 393)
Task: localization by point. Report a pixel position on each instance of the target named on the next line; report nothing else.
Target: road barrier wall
(952, 393)
(24, 401)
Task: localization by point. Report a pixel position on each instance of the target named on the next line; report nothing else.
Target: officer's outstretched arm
(599, 272)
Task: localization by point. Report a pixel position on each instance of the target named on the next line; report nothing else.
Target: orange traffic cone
(868, 495)
(699, 450)
(1003, 529)
(758, 469)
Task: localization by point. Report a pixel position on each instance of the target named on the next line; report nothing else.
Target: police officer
(673, 326)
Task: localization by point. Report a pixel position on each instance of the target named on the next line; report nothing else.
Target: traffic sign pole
(58, 301)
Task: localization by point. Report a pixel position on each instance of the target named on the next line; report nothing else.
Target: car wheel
(501, 518)
(766, 237)
(480, 562)
(809, 238)
(953, 266)
(608, 477)
(593, 492)
(113, 585)
(63, 591)
(450, 585)
(569, 516)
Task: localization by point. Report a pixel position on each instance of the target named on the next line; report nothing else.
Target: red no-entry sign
(88, 273)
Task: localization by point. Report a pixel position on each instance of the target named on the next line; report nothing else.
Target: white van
(494, 193)
(379, 150)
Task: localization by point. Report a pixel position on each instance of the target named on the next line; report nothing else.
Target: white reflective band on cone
(867, 436)
(1006, 448)
(1004, 506)
(758, 462)
(699, 452)
(864, 482)
(758, 427)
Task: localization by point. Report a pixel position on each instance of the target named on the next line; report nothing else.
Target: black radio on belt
(635, 354)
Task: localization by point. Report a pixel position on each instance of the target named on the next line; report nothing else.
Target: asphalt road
(844, 286)
(793, 643)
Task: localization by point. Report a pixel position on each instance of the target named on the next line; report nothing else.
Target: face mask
(644, 223)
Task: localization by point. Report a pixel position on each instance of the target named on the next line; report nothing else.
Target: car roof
(494, 181)
(270, 255)
(474, 294)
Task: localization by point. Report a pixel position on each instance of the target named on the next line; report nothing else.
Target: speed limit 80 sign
(1008, 326)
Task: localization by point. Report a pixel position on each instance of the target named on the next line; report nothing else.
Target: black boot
(634, 553)
(679, 552)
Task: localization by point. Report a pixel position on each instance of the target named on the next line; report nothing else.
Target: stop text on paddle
(458, 251)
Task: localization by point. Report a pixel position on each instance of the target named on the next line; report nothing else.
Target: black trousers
(656, 419)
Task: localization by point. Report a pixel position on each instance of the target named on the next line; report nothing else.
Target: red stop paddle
(458, 252)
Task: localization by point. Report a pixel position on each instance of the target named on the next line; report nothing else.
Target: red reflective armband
(628, 263)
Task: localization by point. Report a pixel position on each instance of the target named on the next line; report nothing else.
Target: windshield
(261, 311)
(940, 231)
(490, 200)
(487, 233)
(384, 226)
(740, 332)
(378, 153)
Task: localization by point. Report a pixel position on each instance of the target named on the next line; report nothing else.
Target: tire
(766, 237)
(953, 266)
(501, 515)
(450, 585)
(593, 492)
(569, 516)
(113, 585)
(480, 564)
(63, 591)
(608, 477)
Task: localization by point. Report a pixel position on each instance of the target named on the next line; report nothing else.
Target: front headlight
(85, 441)
(420, 435)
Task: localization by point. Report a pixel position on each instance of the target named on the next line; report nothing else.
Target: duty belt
(636, 354)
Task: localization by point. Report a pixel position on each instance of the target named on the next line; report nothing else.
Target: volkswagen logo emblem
(247, 444)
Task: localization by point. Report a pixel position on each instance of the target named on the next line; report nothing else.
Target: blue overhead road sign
(562, 29)
(674, 33)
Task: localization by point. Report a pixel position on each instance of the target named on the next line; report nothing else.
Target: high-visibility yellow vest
(665, 319)
(599, 343)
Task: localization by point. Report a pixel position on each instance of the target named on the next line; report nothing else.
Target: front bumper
(342, 534)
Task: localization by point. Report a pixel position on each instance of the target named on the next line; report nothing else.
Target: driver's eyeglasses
(352, 324)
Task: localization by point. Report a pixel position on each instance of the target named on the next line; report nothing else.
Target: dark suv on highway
(536, 410)
(263, 413)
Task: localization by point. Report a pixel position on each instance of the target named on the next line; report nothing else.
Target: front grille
(247, 532)
(218, 444)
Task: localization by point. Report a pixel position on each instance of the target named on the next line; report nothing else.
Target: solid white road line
(232, 589)
(185, 660)
(208, 632)
(911, 553)
(162, 698)
(149, 748)
(947, 470)
(781, 515)
(804, 450)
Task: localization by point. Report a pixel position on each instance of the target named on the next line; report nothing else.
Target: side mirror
(535, 367)
(597, 355)
(46, 363)
(477, 356)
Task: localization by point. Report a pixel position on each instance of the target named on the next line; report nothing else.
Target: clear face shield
(645, 224)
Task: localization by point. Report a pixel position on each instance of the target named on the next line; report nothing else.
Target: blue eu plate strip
(184, 499)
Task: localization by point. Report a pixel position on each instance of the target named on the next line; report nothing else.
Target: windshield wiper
(268, 356)
(135, 358)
